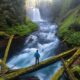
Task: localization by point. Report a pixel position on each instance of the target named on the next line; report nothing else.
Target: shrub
(69, 29)
(22, 30)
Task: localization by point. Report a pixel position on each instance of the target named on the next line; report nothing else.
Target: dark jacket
(37, 55)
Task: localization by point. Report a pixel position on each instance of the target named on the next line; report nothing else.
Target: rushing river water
(45, 40)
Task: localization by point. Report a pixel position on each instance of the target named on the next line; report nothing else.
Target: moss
(21, 30)
(74, 38)
(76, 69)
(66, 30)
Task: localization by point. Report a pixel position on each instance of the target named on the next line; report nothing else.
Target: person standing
(37, 56)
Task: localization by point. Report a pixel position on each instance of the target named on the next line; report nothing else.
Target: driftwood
(69, 62)
(43, 64)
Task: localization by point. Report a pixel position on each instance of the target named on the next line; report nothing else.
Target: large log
(68, 71)
(4, 67)
(41, 65)
(7, 49)
(59, 73)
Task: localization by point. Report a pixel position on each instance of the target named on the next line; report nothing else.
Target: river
(45, 40)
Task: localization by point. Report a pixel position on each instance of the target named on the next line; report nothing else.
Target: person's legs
(35, 61)
(38, 60)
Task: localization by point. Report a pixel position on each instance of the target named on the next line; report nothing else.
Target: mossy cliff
(69, 29)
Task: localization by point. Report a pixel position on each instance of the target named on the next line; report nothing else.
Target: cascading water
(45, 40)
(34, 14)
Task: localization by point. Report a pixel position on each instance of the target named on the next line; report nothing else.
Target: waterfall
(34, 14)
(45, 40)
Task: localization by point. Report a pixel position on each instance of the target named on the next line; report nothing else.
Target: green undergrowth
(69, 29)
(22, 29)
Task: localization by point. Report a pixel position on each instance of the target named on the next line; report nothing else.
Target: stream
(45, 40)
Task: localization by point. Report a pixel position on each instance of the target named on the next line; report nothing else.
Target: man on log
(37, 56)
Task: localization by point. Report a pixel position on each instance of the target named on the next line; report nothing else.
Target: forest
(50, 26)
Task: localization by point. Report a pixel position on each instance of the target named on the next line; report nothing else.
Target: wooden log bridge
(14, 73)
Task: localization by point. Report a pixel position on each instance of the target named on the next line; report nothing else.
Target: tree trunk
(68, 71)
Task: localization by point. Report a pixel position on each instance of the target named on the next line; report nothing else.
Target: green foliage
(74, 38)
(71, 36)
(22, 30)
(12, 12)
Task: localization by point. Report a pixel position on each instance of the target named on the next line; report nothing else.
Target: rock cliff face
(12, 12)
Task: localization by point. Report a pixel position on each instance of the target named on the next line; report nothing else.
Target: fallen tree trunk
(68, 71)
(7, 49)
(4, 67)
(59, 73)
(41, 65)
